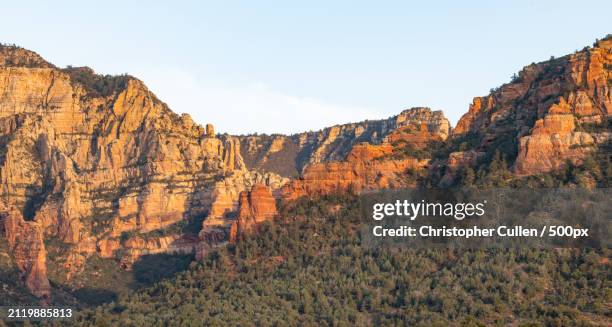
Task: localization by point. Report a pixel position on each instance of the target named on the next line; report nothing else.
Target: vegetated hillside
(14, 56)
(310, 268)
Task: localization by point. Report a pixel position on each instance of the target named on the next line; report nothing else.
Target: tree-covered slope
(309, 268)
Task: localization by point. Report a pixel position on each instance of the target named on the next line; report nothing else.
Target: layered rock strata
(391, 164)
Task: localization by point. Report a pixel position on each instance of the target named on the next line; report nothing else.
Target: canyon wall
(394, 163)
(289, 155)
(98, 161)
(551, 113)
(102, 167)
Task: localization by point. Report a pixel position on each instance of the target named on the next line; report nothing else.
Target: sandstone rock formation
(19, 57)
(538, 118)
(365, 167)
(289, 155)
(210, 130)
(361, 171)
(25, 240)
(137, 246)
(89, 157)
(256, 206)
(390, 164)
(224, 205)
(106, 169)
(552, 139)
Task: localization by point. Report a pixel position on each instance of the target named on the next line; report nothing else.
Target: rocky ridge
(394, 163)
(99, 163)
(539, 120)
(104, 167)
(289, 155)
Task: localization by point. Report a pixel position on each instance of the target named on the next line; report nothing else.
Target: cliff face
(256, 206)
(553, 140)
(364, 169)
(87, 158)
(289, 155)
(25, 241)
(101, 165)
(540, 120)
(226, 194)
(395, 163)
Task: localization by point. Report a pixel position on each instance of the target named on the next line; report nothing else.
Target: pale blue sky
(258, 66)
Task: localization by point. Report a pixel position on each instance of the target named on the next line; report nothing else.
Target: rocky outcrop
(129, 250)
(289, 155)
(225, 193)
(107, 247)
(25, 240)
(537, 120)
(13, 56)
(224, 207)
(365, 169)
(140, 245)
(210, 130)
(553, 140)
(394, 163)
(89, 157)
(255, 207)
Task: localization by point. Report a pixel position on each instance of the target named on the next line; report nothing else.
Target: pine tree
(468, 177)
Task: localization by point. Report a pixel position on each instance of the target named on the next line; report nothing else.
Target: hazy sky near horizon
(263, 66)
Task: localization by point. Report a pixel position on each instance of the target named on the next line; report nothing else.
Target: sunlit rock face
(542, 117)
(290, 155)
(376, 166)
(25, 241)
(87, 158)
(255, 207)
(101, 167)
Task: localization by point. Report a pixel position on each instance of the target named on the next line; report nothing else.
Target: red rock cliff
(25, 240)
(540, 117)
(391, 164)
(255, 207)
